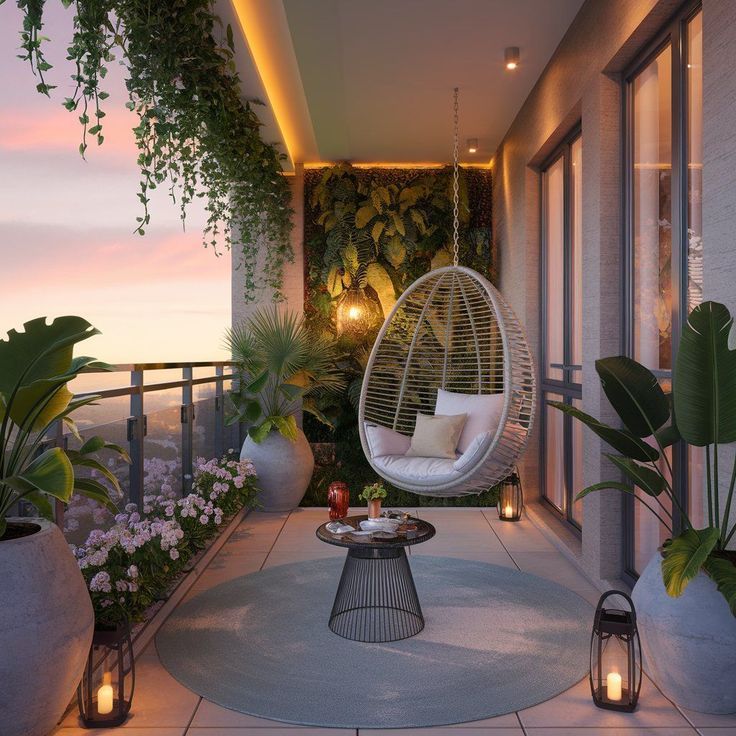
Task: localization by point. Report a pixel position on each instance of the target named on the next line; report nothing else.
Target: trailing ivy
(195, 135)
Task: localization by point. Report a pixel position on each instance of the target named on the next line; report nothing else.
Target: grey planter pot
(46, 626)
(284, 469)
(689, 643)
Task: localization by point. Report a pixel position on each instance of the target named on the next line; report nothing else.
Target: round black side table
(376, 599)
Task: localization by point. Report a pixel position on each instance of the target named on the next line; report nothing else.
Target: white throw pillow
(475, 450)
(436, 436)
(385, 441)
(483, 413)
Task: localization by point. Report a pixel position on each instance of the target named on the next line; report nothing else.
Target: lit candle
(508, 511)
(104, 695)
(613, 686)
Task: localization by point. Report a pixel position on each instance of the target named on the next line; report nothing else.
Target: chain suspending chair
(450, 341)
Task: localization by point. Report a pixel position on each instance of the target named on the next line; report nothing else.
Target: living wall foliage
(380, 229)
(195, 135)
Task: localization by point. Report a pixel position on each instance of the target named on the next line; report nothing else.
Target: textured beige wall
(293, 287)
(580, 83)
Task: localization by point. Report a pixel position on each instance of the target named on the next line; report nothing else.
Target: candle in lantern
(508, 511)
(613, 686)
(105, 695)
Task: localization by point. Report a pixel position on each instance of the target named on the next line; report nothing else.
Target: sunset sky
(67, 244)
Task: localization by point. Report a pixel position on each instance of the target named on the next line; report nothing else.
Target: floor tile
(574, 709)
(274, 731)
(490, 730)
(611, 732)
(711, 720)
(210, 715)
(124, 729)
(727, 731)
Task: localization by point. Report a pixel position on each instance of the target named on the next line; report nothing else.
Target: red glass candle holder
(338, 499)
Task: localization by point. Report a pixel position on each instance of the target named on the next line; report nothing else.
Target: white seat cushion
(385, 441)
(435, 469)
(474, 453)
(483, 413)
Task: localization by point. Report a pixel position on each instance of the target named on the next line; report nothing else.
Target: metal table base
(376, 599)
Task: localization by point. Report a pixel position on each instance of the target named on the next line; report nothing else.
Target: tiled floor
(163, 707)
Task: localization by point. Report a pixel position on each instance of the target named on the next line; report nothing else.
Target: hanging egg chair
(451, 345)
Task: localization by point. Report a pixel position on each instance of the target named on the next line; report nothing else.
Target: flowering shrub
(128, 566)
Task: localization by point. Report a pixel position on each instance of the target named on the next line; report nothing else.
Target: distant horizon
(67, 241)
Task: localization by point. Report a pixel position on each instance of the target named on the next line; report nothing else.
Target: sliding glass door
(562, 326)
(664, 238)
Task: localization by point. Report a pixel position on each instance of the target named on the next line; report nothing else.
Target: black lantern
(106, 691)
(615, 656)
(511, 498)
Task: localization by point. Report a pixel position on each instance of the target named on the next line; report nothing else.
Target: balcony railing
(165, 414)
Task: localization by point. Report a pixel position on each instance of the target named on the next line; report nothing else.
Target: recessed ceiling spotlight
(511, 57)
(472, 145)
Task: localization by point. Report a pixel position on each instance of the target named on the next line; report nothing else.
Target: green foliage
(373, 492)
(283, 365)
(704, 400)
(35, 367)
(195, 135)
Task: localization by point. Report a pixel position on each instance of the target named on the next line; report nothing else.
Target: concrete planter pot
(46, 626)
(284, 469)
(689, 643)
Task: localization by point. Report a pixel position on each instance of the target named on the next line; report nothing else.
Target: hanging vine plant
(195, 135)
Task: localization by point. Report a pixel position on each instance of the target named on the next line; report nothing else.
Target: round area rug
(495, 641)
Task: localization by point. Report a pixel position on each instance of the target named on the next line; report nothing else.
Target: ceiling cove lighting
(472, 145)
(511, 57)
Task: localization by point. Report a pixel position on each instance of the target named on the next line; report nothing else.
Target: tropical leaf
(395, 251)
(42, 504)
(379, 280)
(723, 573)
(377, 229)
(398, 224)
(704, 385)
(634, 393)
(286, 426)
(603, 486)
(364, 215)
(258, 383)
(443, 257)
(51, 472)
(683, 556)
(624, 442)
(334, 281)
(259, 432)
(96, 491)
(650, 481)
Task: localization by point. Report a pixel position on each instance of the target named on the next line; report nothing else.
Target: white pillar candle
(613, 686)
(508, 511)
(105, 695)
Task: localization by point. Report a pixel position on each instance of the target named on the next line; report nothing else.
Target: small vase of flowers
(373, 494)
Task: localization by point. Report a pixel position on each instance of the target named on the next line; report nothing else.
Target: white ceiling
(377, 75)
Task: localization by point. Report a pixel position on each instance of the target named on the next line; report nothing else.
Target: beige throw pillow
(436, 436)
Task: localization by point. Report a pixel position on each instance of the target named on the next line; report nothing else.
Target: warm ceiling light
(511, 57)
(472, 145)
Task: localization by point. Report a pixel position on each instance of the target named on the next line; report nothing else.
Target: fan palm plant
(701, 412)
(283, 367)
(35, 367)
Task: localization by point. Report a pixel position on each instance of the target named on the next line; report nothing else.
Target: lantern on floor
(615, 656)
(511, 498)
(106, 691)
(338, 499)
(357, 313)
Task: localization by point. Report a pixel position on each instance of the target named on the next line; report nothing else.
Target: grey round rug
(495, 641)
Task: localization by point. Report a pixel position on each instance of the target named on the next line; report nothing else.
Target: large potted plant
(284, 367)
(686, 596)
(46, 618)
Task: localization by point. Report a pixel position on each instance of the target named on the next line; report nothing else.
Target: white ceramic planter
(284, 469)
(689, 643)
(46, 625)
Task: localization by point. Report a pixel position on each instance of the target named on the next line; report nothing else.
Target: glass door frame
(674, 35)
(566, 388)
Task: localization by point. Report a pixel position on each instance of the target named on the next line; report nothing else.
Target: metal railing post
(187, 434)
(219, 413)
(136, 436)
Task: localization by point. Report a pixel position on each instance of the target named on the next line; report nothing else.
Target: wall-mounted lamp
(472, 145)
(511, 57)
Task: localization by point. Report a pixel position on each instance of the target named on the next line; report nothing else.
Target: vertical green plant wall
(376, 231)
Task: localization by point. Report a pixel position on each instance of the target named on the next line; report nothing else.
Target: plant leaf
(684, 555)
(704, 385)
(259, 432)
(51, 472)
(42, 504)
(650, 481)
(96, 491)
(634, 393)
(286, 426)
(258, 384)
(624, 442)
(723, 573)
(364, 215)
(604, 485)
